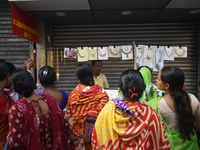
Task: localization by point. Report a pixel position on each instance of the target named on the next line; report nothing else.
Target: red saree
(4, 110)
(84, 101)
(116, 130)
(31, 126)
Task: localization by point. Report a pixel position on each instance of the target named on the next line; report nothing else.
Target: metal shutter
(12, 48)
(163, 34)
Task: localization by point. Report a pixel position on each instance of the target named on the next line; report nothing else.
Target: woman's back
(167, 110)
(37, 123)
(47, 77)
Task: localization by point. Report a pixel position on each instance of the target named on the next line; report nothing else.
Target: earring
(165, 88)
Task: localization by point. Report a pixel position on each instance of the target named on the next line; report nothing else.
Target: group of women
(148, 117)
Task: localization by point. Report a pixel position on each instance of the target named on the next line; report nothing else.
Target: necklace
(93, 53)
(157, 66)
(166, 49)
(84, 54)
(180, 54)
(116, 52)
(148, 57)
(140, 50)
(127, 49)
(102, 55)
(70, 53)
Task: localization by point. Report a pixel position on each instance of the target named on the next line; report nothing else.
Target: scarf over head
(151, 90)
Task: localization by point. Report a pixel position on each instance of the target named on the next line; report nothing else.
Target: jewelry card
(103, 53)
(114, 51)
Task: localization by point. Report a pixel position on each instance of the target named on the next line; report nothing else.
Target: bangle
(29, 71)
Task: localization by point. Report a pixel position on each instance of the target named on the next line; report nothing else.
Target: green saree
(175, 139)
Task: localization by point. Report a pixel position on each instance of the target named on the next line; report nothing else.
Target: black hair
(175, 78)
(23, 83)
(84, 73)
(6, 69)
(94, 61)
(131, 79)
(47, 75)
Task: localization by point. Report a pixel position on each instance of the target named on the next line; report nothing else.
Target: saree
(151, 90)
(117, 129)
(31, 131)
(84, 101)
(5, 106)
(175, 139)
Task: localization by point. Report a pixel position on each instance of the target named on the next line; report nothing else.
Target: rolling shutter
(163, 34)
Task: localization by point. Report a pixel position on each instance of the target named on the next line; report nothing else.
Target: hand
(30, 64)
(25, 64)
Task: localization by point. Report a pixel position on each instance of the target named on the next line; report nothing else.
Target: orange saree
(84, 101)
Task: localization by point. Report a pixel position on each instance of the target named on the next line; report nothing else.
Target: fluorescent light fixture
(194, 11)
(60, 14)
(127, 12)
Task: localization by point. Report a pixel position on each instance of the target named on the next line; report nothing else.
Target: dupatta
(31, 129)
(114, 129)
(175, 139)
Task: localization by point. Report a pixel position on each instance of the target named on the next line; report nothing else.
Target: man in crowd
(99, 78)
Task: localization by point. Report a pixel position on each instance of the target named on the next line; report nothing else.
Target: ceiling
(109, 11)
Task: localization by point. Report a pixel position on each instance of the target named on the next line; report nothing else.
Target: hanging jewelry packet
(57, 65)
(114, 51)
(158, 58)
(92, 53)
(127, 52)
(70, 52)
(82, 54)
(139, 55)
(169, 53)
(103, 53)
(180, 52)
(148, 55)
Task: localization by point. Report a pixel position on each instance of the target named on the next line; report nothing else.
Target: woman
(179, 111)
(6, 70)
(128, 123)
(84, 104)
(47, 77)
(36, 122)
(151, 91)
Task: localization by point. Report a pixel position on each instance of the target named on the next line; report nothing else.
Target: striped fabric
(115, 130)
(84, 101)
(88, 127)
